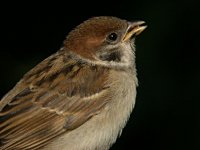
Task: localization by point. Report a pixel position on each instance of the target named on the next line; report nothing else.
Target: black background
(166, 115)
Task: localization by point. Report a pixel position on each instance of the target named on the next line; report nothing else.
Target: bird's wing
(58, 95)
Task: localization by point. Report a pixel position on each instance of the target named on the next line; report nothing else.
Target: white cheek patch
(127, 58)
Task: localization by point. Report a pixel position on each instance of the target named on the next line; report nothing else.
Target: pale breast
(101, 131)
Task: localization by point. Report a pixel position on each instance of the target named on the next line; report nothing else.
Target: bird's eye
(112, 37)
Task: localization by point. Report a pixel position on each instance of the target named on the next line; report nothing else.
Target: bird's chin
(132, 44)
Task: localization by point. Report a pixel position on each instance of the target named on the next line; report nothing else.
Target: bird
(80, 97)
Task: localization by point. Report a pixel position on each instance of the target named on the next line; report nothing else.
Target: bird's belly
(101, 131)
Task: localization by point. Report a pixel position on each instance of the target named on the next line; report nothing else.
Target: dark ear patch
(113, 56)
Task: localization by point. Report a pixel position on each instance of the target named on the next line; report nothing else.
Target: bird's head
(107, 41)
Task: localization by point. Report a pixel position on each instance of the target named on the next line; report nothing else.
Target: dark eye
(112, 37)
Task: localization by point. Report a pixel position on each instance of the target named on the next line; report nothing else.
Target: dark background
(167, 113)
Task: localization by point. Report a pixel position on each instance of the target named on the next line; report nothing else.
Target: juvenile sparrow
(79, 98)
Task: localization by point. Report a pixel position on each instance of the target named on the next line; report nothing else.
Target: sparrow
(80, 97)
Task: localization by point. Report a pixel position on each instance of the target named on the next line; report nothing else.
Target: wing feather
(58, 95)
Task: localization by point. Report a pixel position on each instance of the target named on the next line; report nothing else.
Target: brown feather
(56, 96)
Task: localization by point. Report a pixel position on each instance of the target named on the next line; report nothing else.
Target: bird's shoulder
(56, 96)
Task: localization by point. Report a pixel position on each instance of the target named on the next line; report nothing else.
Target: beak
(134, 29)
